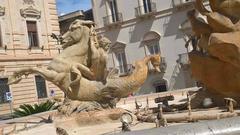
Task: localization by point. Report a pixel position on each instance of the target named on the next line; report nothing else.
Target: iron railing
(143, 10)
(113, 19)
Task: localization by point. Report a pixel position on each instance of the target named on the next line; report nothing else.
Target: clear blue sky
(66, 6)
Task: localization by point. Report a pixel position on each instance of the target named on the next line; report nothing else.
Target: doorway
(161, 88)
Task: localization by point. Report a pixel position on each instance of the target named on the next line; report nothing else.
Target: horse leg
(49, 75)
(85, 71)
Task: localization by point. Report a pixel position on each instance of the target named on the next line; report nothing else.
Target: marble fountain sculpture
(80, 71)
(215, 61)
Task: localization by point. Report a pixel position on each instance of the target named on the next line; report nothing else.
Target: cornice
(30, 12)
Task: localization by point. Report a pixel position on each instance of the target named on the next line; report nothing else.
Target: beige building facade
(138, 28)
(25, 29)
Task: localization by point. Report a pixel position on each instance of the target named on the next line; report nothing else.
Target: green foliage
(26, 109)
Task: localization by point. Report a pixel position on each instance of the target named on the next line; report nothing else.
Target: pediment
(118, 45)
(150, 36)
(30, 12)
(2, 11)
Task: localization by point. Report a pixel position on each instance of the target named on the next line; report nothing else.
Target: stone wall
(15, 52)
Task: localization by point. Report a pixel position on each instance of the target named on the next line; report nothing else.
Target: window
(151, 41)
(114, 11)
(147, 6)
(4, 87)
(121, 57)
(32, 34)
(154, 49)
(41, 87)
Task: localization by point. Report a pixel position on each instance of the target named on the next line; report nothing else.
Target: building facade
(25, 41)
(66, 20)
(138, 28)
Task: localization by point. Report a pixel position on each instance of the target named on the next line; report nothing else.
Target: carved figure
(219, 70)
(99, 58)
(217, 21)
(201, 30)
(79, 71)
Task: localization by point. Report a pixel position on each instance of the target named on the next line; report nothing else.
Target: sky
(66, 6)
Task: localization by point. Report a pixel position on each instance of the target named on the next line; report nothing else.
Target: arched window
(151, 41)
(118, 49)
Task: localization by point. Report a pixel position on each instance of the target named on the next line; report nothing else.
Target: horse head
(78, 32)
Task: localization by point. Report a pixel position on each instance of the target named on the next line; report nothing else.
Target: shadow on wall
(183, 79)
(113, 35)
(172, 23)
(140, 29)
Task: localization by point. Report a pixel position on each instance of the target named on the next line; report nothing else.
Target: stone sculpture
(80, 70)
(218, 68)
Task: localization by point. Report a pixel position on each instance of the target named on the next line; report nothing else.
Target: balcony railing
(112, 19)
(145, 10)
(177, 3)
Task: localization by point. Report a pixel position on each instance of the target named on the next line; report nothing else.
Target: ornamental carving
(30, 12)
(2, 11)
(29, 2)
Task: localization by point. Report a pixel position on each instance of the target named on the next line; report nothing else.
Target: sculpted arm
(94, 44)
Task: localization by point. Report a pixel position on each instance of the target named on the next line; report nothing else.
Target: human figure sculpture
(99, 46)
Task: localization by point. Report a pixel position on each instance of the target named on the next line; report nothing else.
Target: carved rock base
(198, 100)
(89, 118)
(70, 107)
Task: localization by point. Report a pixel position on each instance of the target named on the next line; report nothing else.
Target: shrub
(27, 109)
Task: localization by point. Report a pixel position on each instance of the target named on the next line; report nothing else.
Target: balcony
(142, 11)
(180, 3)
(114, 19)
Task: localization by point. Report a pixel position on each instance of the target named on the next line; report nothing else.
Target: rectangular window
(121, 57)
(41, 87)
(4, 88)
(114, 11)
(32, 34)
(147, 6)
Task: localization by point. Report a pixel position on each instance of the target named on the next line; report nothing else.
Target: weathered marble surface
(217, 66)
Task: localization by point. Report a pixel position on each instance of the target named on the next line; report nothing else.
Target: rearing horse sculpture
(71, 70)
(76, 51)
